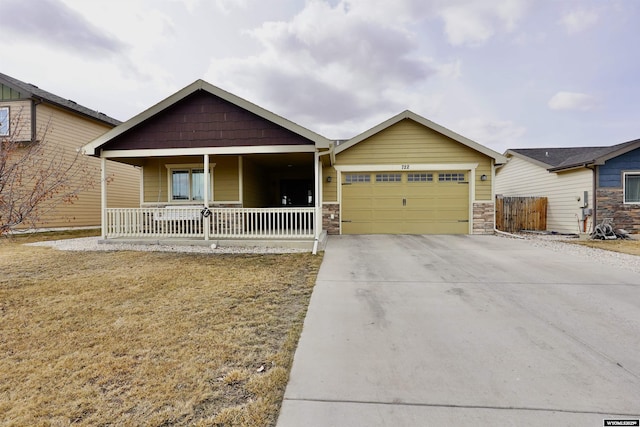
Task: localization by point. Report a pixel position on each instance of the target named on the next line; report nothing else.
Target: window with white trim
(388, 177)
(419, 177)
(187, 183)
(632, 187)
(4, 121)
(352, 178)
(450, 177)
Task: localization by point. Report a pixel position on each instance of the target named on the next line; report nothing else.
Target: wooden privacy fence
(514, 214)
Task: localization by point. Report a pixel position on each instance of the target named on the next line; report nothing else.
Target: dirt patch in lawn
(631, 247)
(147, 338)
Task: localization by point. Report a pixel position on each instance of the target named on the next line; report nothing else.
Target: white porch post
(207, 181)
(103, 196)
(318, 213)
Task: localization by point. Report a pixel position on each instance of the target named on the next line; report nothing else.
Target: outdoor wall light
(483, 177)
(328, 179)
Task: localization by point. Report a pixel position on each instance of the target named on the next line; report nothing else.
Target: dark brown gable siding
(204, 120)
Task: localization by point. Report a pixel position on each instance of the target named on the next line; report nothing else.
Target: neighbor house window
(632, 187)
(187, 183)
(4, 121)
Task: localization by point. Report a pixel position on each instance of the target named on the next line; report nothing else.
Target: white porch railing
(227, 223)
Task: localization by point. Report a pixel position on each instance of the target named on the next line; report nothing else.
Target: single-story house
(31, 115)
(583, 185)
(217, 167)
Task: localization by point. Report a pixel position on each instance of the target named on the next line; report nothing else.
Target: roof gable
(201, 87)
(16, 89)
(498, 158)
(203, 120)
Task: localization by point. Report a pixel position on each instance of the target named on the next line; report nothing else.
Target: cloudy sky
(506, 73)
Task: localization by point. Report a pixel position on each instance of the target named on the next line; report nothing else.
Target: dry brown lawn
(145, 338)
(631, 247)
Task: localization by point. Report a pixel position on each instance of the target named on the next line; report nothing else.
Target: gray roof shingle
(29, 90)
(570, 157)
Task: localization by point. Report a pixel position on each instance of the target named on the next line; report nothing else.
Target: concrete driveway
(465, 330)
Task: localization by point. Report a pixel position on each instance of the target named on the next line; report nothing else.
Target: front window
(4, 121)
(632, 187)
(188, 184)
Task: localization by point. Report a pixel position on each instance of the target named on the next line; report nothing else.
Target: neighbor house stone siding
(331, 226)
(483, 217)
(610, 205)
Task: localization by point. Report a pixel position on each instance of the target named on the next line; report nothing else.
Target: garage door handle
(404, 202)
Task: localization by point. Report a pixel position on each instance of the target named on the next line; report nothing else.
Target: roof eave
(565, 168)
(528, 159)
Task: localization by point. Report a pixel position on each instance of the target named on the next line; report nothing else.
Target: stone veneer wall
(610, 204)
(331, 226)
(483, 217)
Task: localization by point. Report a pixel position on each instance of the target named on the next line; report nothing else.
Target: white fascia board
(408, 167)
(166, 152)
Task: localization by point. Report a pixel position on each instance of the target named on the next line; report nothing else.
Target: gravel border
(560, 243)
(552, 242)
(92, 244)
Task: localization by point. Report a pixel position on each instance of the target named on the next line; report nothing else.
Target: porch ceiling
(283, 161)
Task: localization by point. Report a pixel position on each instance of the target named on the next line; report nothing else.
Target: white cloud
(330, 64)
(572, 101)
(473, 22)
(579, 20)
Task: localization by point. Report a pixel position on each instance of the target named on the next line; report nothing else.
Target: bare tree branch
(36, 177)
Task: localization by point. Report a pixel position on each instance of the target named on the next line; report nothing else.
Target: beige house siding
(226, 178)
(156, 177)
(253, 178)
(329, 189)
(522, 178)
(66, 131)
(408, 142)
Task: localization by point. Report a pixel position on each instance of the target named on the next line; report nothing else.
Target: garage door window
(450, 177)
(357, 177)
(419, 177)
(388, 177)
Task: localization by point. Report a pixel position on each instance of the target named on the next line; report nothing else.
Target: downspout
(318, 216)
(595, 197)
(103, 194)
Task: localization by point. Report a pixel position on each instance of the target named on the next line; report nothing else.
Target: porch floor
(302, 243)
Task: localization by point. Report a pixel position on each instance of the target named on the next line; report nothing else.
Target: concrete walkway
(464, 330)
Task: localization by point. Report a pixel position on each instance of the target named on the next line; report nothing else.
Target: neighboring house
(262, 176)
(583, 185)
(65, 126)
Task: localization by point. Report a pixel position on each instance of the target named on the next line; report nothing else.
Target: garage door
(405, 203)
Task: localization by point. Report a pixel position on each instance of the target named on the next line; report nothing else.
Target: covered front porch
(267, 199)
(215, 167)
